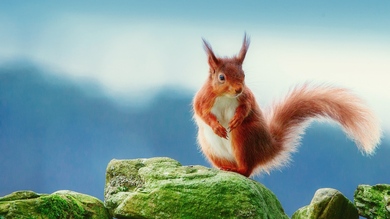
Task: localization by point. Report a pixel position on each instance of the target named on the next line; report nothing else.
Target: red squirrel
(236, 135)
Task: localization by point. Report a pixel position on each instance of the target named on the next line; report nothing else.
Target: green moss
(61, 204)
(122, 189)
(170, 190)
(373, 201)
(56, 206)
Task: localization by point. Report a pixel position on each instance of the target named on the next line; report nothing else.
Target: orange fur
(236, 135)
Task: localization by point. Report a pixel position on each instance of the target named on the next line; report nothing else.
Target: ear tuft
(244, 49)
(213, 60)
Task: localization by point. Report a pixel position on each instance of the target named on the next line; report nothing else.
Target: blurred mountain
(56, 133)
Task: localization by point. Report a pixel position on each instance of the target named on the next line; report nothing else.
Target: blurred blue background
(82, 83)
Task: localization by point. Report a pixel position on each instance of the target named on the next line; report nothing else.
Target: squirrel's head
(226, 74)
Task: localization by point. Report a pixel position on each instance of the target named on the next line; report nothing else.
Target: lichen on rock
(61, 204)
(163, 188)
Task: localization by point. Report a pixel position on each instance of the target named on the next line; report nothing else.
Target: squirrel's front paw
(234, 123)
(220, 131)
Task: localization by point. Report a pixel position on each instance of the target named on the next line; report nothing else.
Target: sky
(132, 49)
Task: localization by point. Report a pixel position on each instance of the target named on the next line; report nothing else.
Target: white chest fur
(224, 109)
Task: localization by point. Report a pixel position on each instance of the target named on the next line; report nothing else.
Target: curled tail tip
(369, 145)
(367, 135)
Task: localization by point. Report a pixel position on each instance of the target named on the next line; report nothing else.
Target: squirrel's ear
(213, 60)
(244, 49)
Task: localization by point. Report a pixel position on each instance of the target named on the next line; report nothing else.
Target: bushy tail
(288, 119)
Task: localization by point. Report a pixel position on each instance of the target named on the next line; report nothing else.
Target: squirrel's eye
(221, 77)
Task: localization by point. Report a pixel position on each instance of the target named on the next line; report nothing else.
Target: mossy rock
(327, 204)
(61, 204)
(163, 188)
(373, 201)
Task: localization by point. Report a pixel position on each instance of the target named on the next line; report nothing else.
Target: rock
(61, 204)
(327, 204)
(163, 188)
(373, 201)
